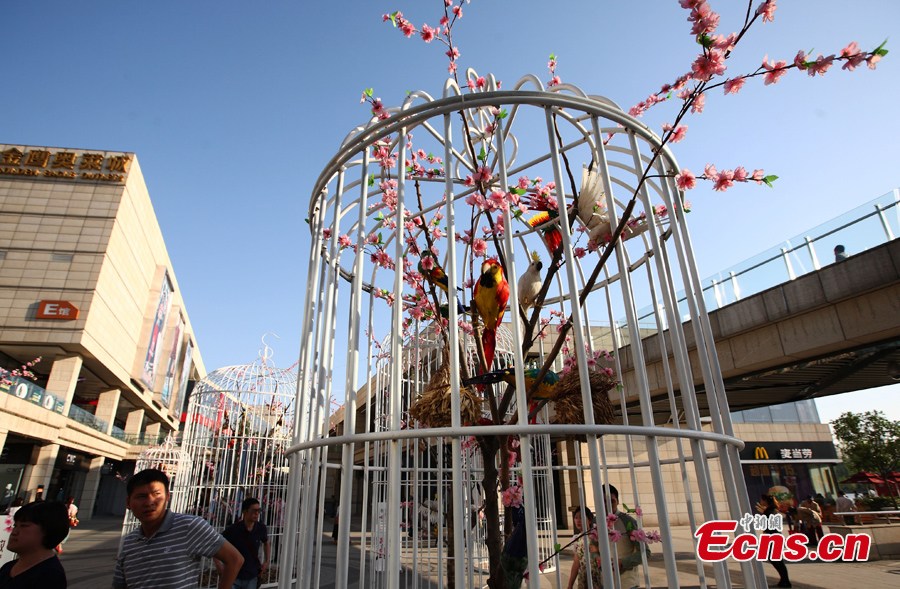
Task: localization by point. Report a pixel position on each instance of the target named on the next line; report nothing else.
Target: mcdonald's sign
(789, 451)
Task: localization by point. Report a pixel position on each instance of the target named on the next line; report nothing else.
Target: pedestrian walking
(770, 507)
(845, 504)
(248, 534)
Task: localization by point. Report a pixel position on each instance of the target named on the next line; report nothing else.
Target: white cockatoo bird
(530, 283)
(593, 213)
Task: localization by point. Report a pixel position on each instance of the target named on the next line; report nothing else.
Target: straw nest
(432, 407)
(568, 405)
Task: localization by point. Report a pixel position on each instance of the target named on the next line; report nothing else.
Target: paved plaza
(89, 558)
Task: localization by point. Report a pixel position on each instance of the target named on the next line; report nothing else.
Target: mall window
(796, 412)
(61, 257)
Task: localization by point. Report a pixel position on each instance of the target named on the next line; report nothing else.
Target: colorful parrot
(545, 392)
(530, 283)
(431, 270)
(550, 234)
(491, 296)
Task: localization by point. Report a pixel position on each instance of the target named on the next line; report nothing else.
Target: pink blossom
(767, 10)
(428, 33)
(800, 60)
(678, 134)
(457, 11)
(685, 180)
(381, 258)
(854, 56)
(437, 233)
(699, 103)
(872, 60)
(468, 283)
(427, 262)
(344, 240)
(452, 67)
(704, 19)
(710, 171)
(821, 65)
(416, 313)
(480, 82)
(611, 520)
(775, 70)
(326, 233)
(740, 174)
(638, 511)
(512, 496)
(724, 43)
(708, 64)
(758, 176)
(615, 536)
(733, 86)
(554, 81)
(407, 28)
(479, 247)
(444, 21)
(483, 174)
(724, 180)
(453, 53)
(523, 182)
(372, 238)
(580, 252)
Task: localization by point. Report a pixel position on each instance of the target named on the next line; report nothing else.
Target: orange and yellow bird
(431, 270)
(491, 296)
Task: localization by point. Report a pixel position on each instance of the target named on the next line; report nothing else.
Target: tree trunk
(489, 448)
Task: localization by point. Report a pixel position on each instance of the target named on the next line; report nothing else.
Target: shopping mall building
(87, 287)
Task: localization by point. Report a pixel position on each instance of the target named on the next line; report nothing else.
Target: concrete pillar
(134, 423)
(91, 488)
(39, 470)
(63, 378)
(151, 433)
(107, 405)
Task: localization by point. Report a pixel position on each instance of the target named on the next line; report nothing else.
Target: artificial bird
(530, 283)
(491, 296)
(549, 231)
(546, 390)
(431, 270)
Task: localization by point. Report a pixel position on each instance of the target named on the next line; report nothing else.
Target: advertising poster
(148, 373)
(185, 376)
(172, 364)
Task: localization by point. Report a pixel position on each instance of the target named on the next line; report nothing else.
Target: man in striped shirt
(165, 552)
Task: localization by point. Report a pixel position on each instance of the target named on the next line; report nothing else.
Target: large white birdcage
(239, 423)
(603, 370)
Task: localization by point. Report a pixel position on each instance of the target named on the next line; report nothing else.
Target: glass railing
(87, 418)
(858, 230)
(143, 439)
(28, 391)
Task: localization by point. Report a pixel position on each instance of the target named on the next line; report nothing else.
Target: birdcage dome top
(259, 377)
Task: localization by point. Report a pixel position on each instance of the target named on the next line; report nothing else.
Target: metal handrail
(732, 274)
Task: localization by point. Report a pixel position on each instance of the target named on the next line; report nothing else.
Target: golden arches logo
(760, 453)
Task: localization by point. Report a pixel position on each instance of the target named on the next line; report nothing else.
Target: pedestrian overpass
(793, 323)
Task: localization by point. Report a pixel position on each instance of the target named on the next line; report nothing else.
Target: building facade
(88, 289)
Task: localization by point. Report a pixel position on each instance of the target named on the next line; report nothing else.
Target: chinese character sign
(46, 162)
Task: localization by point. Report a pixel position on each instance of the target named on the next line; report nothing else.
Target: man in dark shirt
(247, 534)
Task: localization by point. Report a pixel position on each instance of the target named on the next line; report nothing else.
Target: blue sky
(234, 107)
